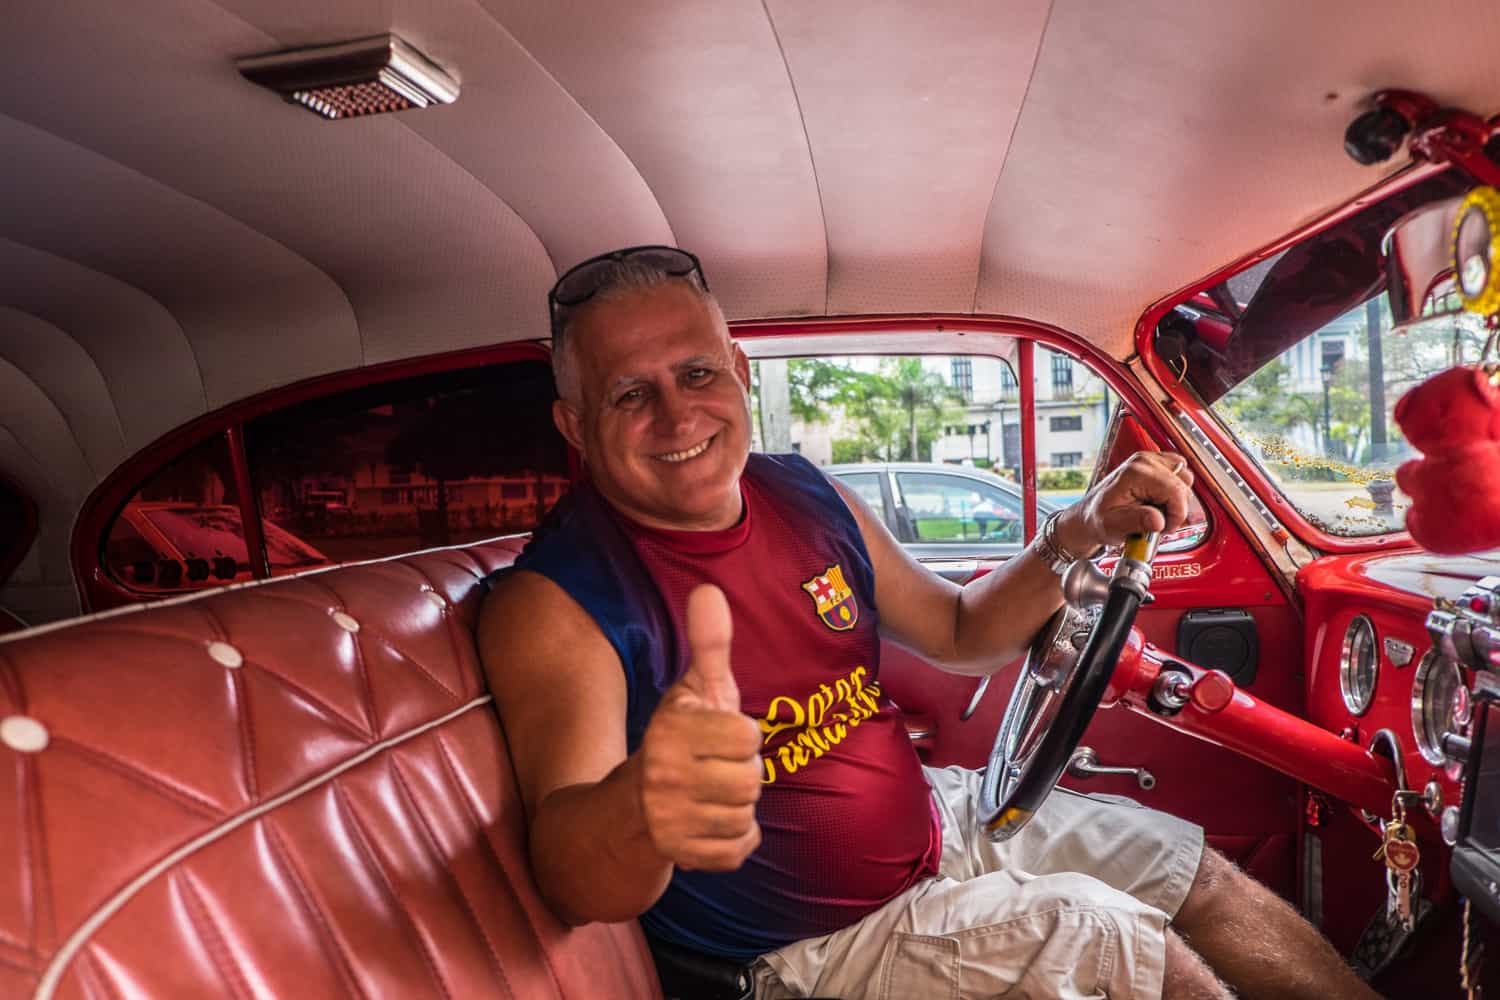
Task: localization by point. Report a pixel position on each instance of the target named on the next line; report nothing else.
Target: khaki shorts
(1075, 905)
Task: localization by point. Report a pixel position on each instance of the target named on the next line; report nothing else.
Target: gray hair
(618, 279)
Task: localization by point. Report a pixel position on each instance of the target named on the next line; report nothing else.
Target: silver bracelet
(1057, 558)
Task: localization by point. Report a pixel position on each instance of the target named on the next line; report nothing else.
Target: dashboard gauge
(1359, 666)
(1435, 704)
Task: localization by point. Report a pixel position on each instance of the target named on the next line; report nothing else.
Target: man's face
(663, 414)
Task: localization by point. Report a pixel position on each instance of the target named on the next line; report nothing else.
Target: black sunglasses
(583, 281)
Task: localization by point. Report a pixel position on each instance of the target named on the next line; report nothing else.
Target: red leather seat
(296, 788)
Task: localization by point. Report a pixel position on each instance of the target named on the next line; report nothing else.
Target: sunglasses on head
(583, 281)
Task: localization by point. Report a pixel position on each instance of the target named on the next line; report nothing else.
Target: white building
(1072, 412)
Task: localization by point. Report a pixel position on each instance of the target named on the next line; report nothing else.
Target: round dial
(1359, 666)
(1435, 704)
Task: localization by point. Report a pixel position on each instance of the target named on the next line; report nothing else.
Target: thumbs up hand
(709, 631)
(700, 757)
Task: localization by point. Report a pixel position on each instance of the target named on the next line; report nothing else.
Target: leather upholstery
(244, 796)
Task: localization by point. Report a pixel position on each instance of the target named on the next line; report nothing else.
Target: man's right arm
(607, 828)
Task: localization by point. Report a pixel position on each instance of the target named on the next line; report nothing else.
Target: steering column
(1067, 671)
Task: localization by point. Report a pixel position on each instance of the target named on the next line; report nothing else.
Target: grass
(953, 529)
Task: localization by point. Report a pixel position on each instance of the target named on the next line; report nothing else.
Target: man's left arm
(978, 628)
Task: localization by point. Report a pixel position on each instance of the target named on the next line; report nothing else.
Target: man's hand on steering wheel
(1148, 492)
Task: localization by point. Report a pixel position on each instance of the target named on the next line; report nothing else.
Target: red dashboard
(1410, 695)
(1412, 687)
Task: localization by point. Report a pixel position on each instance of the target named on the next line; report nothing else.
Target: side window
(954, 425)
(956, 509)
(181, 530)
(867, 485)
(424, 462)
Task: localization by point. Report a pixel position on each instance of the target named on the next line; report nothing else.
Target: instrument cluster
(1438, 696)
(1413, 682)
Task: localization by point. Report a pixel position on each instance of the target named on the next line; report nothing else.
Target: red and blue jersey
(845, 815)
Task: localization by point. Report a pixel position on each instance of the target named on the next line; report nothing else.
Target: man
(687, 665)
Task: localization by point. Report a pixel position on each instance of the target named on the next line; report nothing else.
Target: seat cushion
(294, 788)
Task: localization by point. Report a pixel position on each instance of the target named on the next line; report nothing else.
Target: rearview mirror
(1441, 259)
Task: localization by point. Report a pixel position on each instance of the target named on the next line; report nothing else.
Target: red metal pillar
(1025, 360)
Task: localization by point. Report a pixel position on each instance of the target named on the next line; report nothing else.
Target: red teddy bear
(1454, 420)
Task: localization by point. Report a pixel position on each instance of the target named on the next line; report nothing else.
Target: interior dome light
(369, 76)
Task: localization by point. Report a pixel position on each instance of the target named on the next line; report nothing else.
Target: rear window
(382, 470)
(430, 461)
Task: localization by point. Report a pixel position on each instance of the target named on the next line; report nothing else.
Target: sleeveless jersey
(845, 814)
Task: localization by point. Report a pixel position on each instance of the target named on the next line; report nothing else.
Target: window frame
(962, 369)
(1010, 385)
(1073, 420)
(1062, 376)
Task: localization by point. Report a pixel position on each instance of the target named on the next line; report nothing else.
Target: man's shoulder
(789, 473)
(810, 490)
(525, 610)
(523, 593)
(785, 463)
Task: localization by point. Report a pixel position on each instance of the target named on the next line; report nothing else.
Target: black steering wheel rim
(1013, 789)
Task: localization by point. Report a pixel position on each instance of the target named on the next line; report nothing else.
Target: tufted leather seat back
(296, 788)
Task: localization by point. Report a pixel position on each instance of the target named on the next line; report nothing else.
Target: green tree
(923, 400)
(895, 412)
(1263, 404)
(847, 450)
(817, 386)
(1420, 351)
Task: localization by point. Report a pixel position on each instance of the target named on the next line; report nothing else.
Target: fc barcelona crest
(833, 598)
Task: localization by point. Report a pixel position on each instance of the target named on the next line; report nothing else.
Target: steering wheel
(1066, 671)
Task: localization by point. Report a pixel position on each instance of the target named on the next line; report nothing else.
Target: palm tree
(917, 392)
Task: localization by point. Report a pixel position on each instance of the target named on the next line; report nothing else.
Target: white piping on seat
(60, 961)
(194, 595)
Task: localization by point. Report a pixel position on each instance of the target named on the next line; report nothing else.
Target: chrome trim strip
(1203, 441)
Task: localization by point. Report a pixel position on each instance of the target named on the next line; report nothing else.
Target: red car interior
(299, 341)
(297, 788)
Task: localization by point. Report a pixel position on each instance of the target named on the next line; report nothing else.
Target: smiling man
(687, 663)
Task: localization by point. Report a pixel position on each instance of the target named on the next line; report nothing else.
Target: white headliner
(173, 238)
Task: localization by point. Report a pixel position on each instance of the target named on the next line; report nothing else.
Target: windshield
(1318, 417)
(1298, 360)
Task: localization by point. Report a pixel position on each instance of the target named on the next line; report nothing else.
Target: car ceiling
(173, 238)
